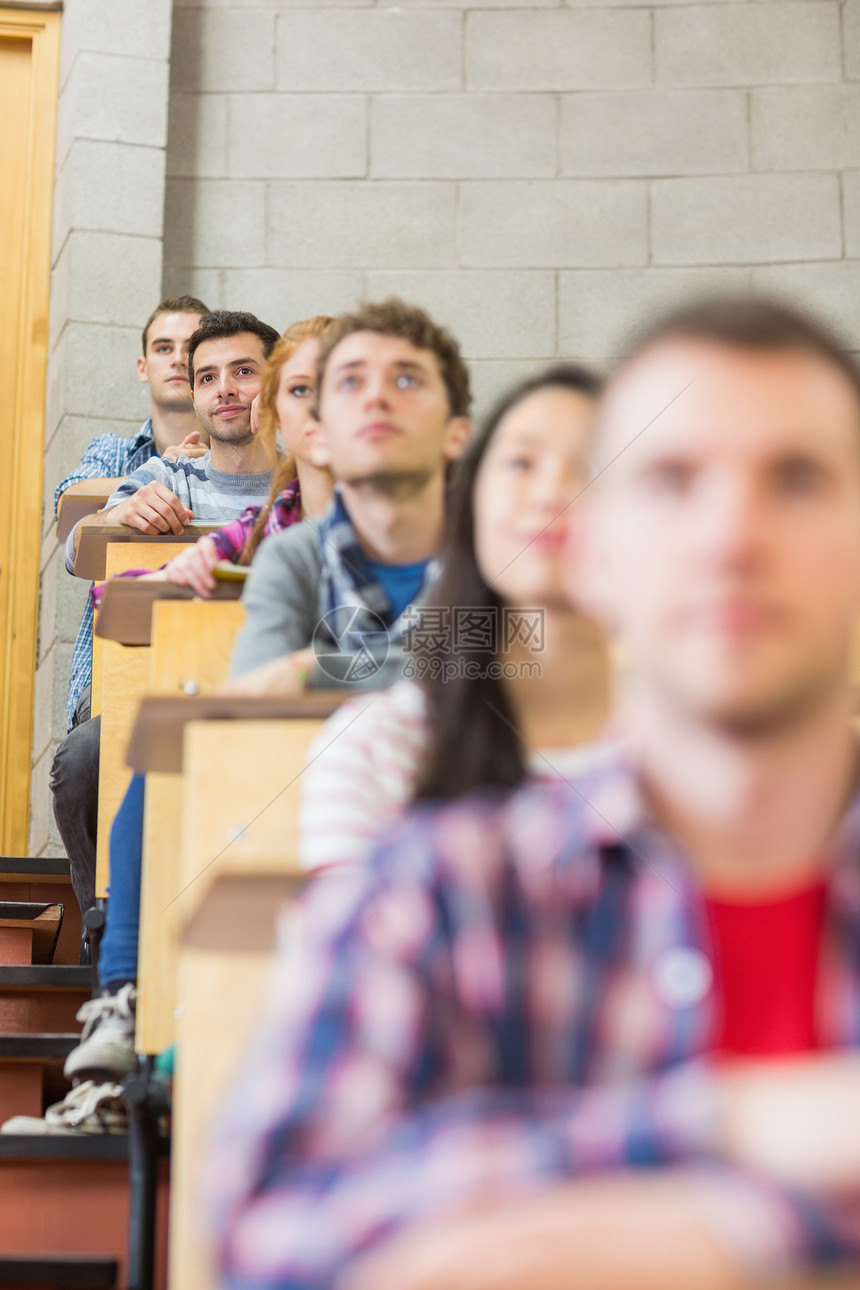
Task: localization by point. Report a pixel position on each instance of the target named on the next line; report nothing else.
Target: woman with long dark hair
(506, 675)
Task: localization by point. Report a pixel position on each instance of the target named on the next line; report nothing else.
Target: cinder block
(468, 136)
(374, 225)
(52, 685)
(627, 4)
(213, 222)
(297, 136)
(748, 44)
(851, 208)
(283, 296)
(197, 136)
(491, 378)
(652, 133)
(205, 284)
(48, 612)
(598, 308)
(272, 4)
(831, 289)
(493, 314)
(118, 27)
(215, 52)
(110, 351)
(109, 187)
(117, 99)
(815, 127)
(41, 813)
(74, 434)
(42, 716)
(58, 312)
(558, 50)
(746, 219)
(851, 38)
(108, 278)
(479, 4)
(565, 223)
(361, 49)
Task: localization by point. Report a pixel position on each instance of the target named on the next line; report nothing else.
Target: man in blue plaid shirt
(605, 1033)
(108, 459)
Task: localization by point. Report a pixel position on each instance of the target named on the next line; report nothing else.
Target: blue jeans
(118, 956)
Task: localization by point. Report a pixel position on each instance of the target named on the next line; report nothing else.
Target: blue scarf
(357, 614)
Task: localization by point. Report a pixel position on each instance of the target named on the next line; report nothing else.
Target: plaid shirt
(511, 992)
(108, 457)
(285, 511)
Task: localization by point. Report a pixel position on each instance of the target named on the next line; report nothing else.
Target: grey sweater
(282, 597)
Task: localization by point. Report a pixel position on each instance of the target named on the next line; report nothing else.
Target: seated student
(106, 1051)
(395, 393)
(172, 429)
(604, 1034)
(393, 399)
(300, 490)
(226, 357)
(508, 675)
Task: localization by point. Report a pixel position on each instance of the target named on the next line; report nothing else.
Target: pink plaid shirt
(510, 992)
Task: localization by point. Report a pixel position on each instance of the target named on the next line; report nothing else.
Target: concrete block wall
(106, 277)
(540, 173)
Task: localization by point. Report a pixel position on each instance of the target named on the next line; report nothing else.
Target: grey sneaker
(107, 1039)
(89, 1109)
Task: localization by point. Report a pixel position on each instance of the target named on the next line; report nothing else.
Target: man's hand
(190, 447)
(614, 1233)
(283, 678)
(192, 567)
(152, 509)
(797, 1120)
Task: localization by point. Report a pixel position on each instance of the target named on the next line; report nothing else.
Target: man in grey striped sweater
(226, 357)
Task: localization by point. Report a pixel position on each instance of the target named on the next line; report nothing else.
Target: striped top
(361, 770)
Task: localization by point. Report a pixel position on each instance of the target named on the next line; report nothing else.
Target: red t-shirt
(766, 960)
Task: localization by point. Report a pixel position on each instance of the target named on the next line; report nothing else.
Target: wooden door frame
(40, 28)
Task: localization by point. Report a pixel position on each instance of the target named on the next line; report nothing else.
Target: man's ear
(457, 434)
(142, 374)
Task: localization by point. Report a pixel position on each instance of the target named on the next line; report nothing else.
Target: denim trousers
(118, 955)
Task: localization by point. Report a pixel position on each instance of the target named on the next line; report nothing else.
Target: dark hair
(172, 305)
(472, 741)
(223, 323)
(748, 322)
(393, 317)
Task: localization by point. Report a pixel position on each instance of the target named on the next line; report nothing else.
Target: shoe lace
(95, 1011)
(86, 1099)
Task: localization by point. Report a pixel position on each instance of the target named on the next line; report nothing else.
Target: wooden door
(29, 60)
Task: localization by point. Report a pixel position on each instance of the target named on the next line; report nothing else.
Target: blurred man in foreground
(604, 1035)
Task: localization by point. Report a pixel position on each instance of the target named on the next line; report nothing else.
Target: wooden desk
(191, 646)
(91, 563)
(239, 867)
(120, 674)
(74, 506)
